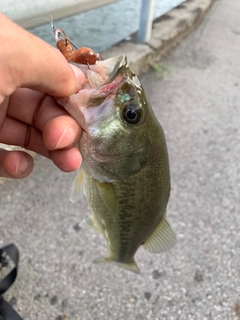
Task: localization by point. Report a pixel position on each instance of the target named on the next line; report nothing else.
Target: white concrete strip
(167, 31)
(22, 12)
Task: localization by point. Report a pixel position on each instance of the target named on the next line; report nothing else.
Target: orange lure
(82, 55)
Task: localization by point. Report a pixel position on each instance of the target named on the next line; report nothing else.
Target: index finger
(43, 112)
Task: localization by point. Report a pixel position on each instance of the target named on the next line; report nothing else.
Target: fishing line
(54, 29)
(46, 19)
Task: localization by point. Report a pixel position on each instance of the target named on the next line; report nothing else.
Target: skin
(32, 72)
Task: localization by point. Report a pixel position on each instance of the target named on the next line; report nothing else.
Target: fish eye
(132, 113)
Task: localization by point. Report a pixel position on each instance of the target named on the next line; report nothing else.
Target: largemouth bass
(125, 168)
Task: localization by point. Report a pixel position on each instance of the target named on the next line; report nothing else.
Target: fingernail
(22, 163)
(67, 137)
(80, 77)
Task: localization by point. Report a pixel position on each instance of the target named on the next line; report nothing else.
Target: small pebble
(13, 301)
(62, 317)
(156, 274)
(77, 227)
(198, 276)
(53, 300)
(64, 303)
(132, 299)
(147, 295)
(37, 297)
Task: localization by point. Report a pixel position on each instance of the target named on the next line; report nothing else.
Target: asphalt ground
(195, 94)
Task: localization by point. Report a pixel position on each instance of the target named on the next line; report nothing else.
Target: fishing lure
(72, 53)
(82, 55)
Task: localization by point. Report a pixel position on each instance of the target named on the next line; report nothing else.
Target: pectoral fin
(162, 239)
(108, 195)
(77, 187)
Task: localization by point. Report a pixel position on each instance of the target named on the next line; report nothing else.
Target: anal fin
(162, 239)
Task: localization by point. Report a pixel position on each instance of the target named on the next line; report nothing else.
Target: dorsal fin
(77, 187)
(162, 239)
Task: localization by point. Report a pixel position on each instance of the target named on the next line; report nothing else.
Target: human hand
(32, 70)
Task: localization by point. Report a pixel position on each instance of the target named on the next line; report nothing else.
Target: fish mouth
(97, 79)
(101, 87)
(102, 79)
(116, 70)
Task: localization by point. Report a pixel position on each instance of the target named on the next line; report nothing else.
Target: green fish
(125, 169)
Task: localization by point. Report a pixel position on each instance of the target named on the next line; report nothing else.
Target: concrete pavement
(195, 95)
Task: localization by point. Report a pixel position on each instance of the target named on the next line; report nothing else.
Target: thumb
(28, 61)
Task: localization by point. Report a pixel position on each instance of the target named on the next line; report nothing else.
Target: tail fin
(132, 266)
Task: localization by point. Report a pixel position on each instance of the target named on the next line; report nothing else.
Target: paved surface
(197, 102)
(167, 30)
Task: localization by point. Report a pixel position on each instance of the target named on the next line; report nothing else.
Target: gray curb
(167, 31)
